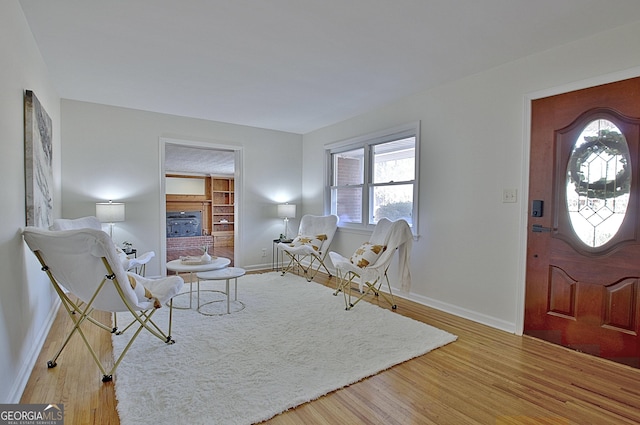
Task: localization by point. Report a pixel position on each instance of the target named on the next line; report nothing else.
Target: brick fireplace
(191, 245)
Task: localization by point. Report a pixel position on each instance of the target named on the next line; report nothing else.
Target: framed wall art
(38, 151)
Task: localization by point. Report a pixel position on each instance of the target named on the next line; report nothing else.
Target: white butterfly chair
(371, 261)
(85, 263)
(309, 249)
(138, 264)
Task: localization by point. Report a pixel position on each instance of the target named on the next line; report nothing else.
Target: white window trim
(407, 129)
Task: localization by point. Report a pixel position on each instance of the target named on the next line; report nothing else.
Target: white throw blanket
(404, 255)
(400, 237)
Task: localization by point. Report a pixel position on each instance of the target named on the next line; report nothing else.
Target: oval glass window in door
(598, 182)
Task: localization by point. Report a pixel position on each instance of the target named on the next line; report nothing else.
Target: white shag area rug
(291, 343)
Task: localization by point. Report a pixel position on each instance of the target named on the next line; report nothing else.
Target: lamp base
(286, 228)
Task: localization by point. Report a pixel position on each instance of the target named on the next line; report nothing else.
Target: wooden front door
(583, 248)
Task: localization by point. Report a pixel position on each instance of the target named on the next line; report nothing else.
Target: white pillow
(142, 292)
(367, 254)
(314, 241)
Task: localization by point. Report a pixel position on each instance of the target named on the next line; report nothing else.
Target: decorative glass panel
(598, 182)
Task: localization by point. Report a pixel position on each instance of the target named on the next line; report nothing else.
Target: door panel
(583, 291)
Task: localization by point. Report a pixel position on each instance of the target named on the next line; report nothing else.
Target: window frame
(366, 142)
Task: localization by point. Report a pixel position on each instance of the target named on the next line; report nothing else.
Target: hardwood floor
(486, 377)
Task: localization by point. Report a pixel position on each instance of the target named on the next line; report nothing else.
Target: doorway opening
(200, 200)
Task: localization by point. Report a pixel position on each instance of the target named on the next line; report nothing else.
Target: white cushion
(367, 254)
(314, 241)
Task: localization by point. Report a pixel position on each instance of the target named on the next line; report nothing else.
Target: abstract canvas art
(38, 162)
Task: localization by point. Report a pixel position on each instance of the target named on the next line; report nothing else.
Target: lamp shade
(110, 212)
(286, 210)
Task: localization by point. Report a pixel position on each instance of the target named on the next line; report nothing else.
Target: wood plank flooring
(486, 377)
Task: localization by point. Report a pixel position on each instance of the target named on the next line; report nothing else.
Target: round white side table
(179, 267)
(227, 274)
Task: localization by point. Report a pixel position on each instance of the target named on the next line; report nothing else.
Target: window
(598, 182)
(375, 176)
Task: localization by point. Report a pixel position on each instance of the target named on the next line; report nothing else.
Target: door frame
(238, 193)
(524, 189)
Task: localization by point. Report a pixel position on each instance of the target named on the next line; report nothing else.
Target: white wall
(470, 257)
(26, 300)
(114, 153)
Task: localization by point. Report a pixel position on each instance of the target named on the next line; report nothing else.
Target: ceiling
(292, 65)
(182, 159)
(289, 65)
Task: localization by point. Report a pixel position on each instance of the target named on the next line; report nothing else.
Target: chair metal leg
(80, 312)
(292, 263)
(374, 287)
(343, 285)
(308, 271)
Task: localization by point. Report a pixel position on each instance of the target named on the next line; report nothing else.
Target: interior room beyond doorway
(200, 201)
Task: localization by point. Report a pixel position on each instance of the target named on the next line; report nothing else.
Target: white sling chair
(137, 264)
(87, 274)
(311, 245)
(371, 260)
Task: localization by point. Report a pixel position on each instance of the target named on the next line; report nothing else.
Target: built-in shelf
(217, 205)
(223, 209)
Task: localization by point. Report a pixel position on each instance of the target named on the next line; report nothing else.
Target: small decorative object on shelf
(127, 247)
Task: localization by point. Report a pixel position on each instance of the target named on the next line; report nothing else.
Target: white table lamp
(110, 212)
(286, 211)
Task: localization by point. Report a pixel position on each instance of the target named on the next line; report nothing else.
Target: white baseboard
(454, 309)
(458, 311)
(32, 356)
